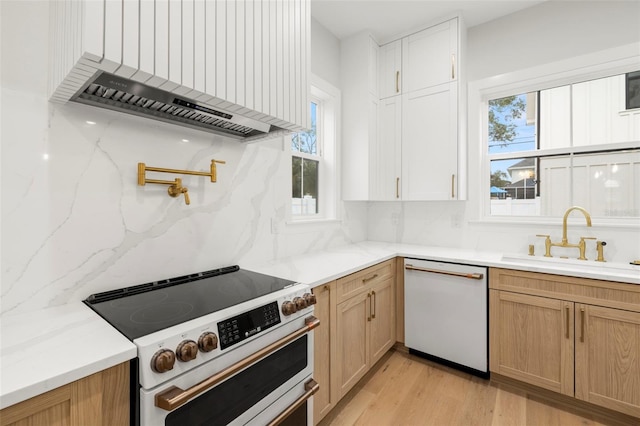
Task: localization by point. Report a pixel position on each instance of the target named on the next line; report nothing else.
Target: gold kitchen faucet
(565, 242)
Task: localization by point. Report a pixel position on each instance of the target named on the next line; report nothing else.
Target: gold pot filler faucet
(582, 245)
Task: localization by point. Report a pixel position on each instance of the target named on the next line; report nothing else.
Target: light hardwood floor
(406, 390)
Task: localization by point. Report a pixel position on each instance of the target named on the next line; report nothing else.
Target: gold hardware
(633, 262)
(174, 397)
(567, 328)
(453, 66)
(582, 324)
(473, 276)
(373, 298)
(600, 247)
(369, 297)
(310, 387)
(565, 242)
(531, 249)
(397, 81)
(397, 187)
(547, 244)
(365, 280)
(175, 187)
(327, 288)
(453, 180)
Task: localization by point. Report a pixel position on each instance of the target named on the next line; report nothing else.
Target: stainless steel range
(226, 346)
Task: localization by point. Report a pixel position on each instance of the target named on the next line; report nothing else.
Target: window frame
(327, 97)
(588, 67)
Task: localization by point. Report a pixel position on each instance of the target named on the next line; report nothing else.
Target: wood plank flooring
(406, 390)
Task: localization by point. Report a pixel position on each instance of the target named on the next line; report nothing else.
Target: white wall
(551, 31)
(76, 222)
(540, 35)
(325, 53)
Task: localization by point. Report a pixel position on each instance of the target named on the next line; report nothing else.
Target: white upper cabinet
(423, 138)
(247, 56)
(429, 57)
(390, 69)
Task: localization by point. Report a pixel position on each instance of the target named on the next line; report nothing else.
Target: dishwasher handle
(473, 276)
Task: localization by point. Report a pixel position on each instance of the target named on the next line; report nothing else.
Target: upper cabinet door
(390, 69)
(429, 58)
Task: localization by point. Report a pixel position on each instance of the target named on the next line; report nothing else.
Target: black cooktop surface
(144, 309)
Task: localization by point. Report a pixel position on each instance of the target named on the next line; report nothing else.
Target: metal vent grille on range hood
(131, 97)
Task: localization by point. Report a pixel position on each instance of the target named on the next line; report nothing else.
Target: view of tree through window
(568, 145)
(305, 161)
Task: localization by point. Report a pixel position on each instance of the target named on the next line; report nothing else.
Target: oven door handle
(310, 387)
(174, 397)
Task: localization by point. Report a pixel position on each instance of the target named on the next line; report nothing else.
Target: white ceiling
(387, 18)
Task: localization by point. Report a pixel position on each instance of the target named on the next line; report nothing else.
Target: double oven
(226, 346)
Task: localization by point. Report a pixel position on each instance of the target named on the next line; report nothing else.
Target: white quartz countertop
(320, 267)
(46, 349)
(50, 348)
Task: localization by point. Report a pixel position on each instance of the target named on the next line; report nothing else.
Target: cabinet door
(352, 343)
(383, 319)
(322, 400)
(386, 181)
(429, 57)
(390, 74)
(531, 339)
(608, 358)
(430, 143)
(99, 399)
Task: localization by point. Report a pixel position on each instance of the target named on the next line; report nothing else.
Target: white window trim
(329, 172)
(587, 67)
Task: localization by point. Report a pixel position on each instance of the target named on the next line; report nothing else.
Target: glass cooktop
(144, 309)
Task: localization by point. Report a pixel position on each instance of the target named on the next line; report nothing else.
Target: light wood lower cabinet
(324, 399)
(532, 340)
(608, 358)
(567, 335)
(101, 399)
(357, 327)
(365, 322)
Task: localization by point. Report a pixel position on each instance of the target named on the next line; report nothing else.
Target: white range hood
(234, 67)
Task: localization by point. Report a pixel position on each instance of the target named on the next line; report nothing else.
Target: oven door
(256, 388)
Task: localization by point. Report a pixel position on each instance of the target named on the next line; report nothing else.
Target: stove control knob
(310, 298)
(207, 341)
(187, 350)
(300, 303)
(289, 308)
(163, 361)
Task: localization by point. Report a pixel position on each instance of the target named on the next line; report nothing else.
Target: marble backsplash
(75, 222)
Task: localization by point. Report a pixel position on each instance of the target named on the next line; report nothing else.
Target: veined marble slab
(49, 348)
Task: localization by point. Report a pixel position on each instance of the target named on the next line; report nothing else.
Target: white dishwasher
(445, 313)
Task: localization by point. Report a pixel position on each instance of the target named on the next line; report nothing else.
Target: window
(313, 158)
(306, 156)
(574, 144)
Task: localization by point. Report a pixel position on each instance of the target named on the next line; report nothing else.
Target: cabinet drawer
(358, 282)
(580, 290)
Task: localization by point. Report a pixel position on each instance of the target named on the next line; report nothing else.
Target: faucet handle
(547, 244)
(543, 235)
(582, 246)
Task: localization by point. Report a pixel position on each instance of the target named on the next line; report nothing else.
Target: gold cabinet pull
(327, 288)
(310, 387)
(366, 280)
(567, 325)
(582, 324)
(397, 187)
(173, 397)
(397, 81)
(369, 297)
(373, 299)
(453, 181)
(453, 66)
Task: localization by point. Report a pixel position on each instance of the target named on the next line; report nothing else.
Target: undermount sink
(558, 262)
